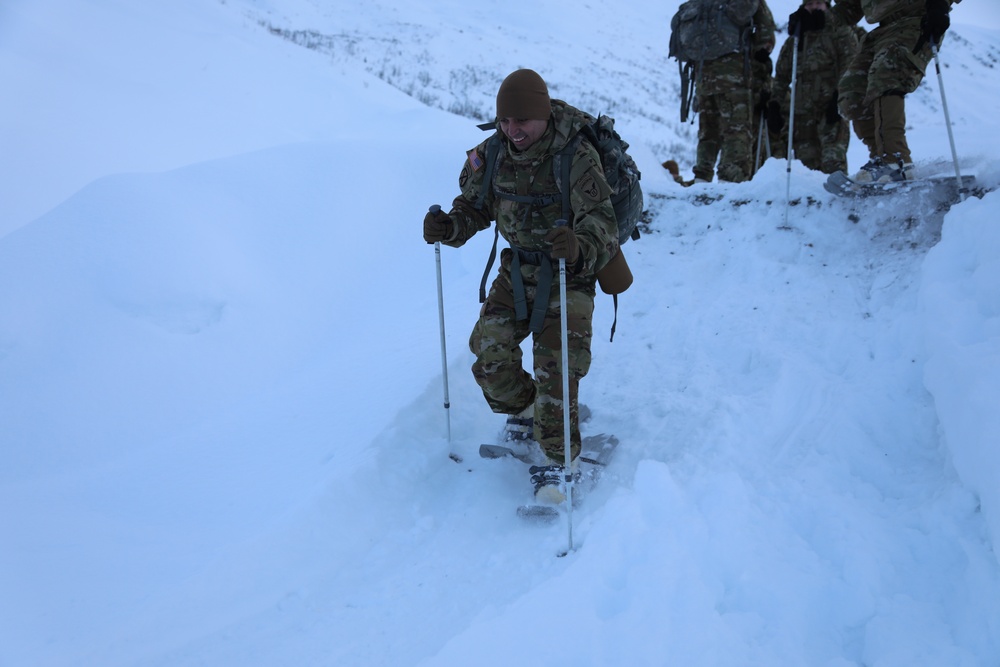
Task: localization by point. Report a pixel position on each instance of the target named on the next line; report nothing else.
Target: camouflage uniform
(884, 70)
(822, 59)
(725, 100)
(761, 83)
(497, 336)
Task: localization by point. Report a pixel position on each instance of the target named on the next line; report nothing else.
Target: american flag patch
(475, 160)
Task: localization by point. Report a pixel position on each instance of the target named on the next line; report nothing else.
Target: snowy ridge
(220, 397)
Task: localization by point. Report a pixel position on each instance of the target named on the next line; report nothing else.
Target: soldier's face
(523, 132)
(815, 5)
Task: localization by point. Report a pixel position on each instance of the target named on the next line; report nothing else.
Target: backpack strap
(489, 264)
(543, 261)
(514, 271)
(563, 167)
(614, 323)
(492, 160)
(493, 156)
(687, 87)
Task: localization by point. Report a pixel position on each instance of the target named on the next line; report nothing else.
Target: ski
(595, 455)
(500, 451)
(523, 454)
(943, 187)
(597, 450)
(539, 513)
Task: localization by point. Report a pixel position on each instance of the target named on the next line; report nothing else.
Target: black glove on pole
(774, 120)
(934, 23)
(832, 112)
(803, 20)
(437, 225)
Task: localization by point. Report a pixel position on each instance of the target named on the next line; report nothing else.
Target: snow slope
(221, 416)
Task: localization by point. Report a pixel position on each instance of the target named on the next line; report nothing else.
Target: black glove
(761, 106)
(437, 226)
(564, 244)
(805, 20)
(832, 112)
(763, 56)
(774, 120)
(934, 23)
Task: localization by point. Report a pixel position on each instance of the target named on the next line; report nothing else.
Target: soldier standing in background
(725, 98)
(821, 135)
(761, 82)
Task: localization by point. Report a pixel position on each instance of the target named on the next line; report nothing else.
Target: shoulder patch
(474, 160)
(463, 178)
(588, 186)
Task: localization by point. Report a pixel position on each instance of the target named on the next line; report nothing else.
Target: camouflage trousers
(725, 133)
(884, 67)
(819, 145)
(496, 341)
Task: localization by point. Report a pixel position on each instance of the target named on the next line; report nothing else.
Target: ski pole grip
(434, 210)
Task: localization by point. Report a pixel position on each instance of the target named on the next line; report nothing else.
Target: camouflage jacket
(531, 173)
(763, 29)
(823, 57)
(879, 11)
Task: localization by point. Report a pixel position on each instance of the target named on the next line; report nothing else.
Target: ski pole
(444, 353)
(791, 121)
(760, 143)
(947, 121)
(567, 453)
(767, 145)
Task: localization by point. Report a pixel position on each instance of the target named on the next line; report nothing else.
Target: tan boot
(890, 129)
(864, 129)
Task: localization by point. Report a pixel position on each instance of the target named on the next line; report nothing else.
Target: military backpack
(705, 30)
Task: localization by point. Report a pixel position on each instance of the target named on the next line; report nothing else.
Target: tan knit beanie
(523, 95)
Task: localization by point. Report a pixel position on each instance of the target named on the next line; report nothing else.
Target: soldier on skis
(890, 64)
(524, 200)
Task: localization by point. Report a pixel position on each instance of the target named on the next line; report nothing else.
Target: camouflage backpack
(709, 29)
(703, 30)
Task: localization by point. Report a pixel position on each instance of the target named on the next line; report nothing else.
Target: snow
(223, 438)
